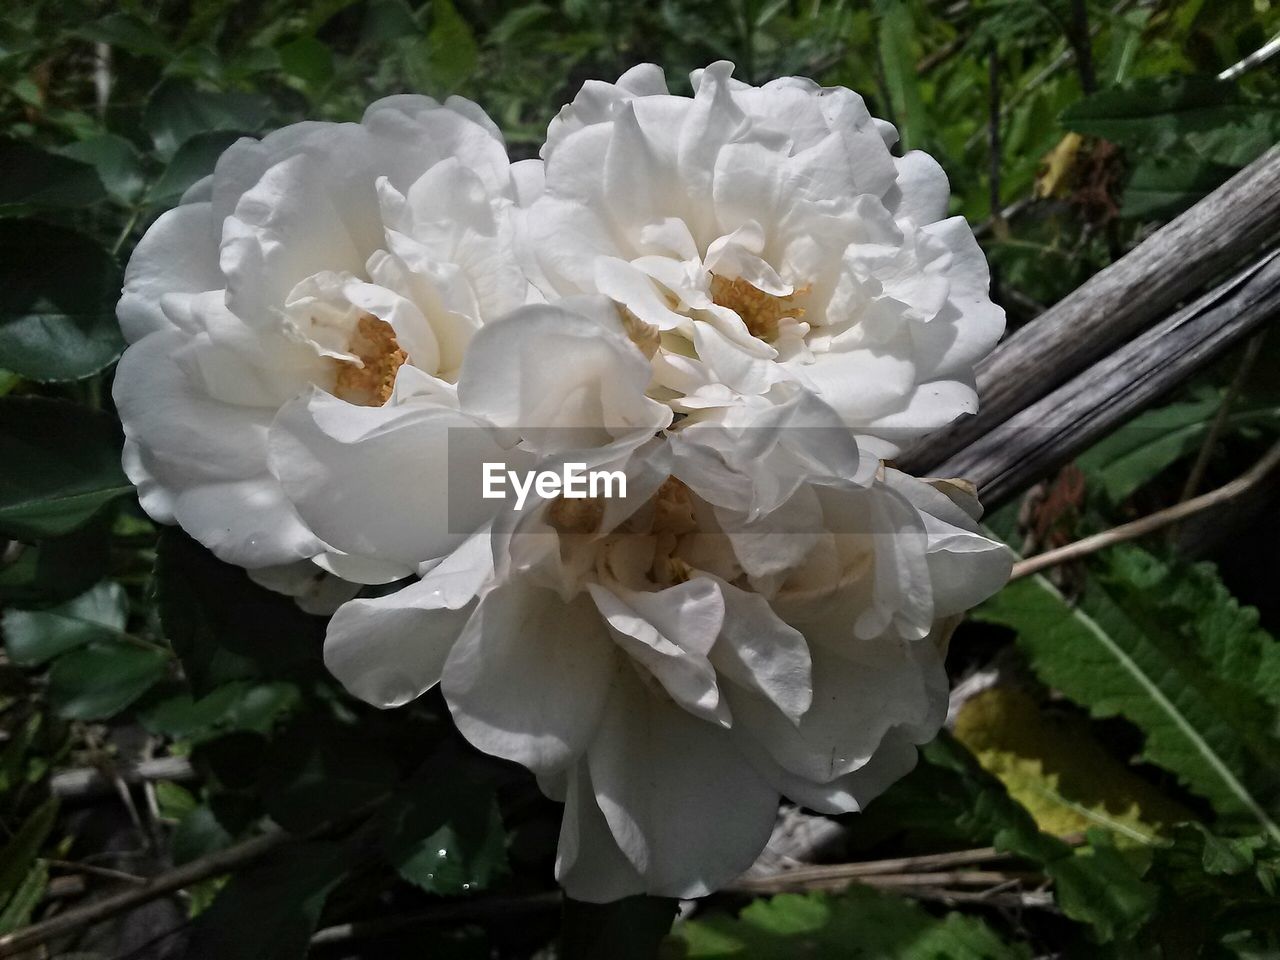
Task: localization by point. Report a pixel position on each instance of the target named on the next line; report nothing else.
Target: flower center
(761, 312)
(370, 383)
(576, 515)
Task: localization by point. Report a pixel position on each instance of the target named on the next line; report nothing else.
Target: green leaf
(58, 568)
(269, 910)
(35, 179)
(23, 902)
(63, 466)
(117, 161)
(100, 680)
(127, 32)
(860, 923)
(19, 854)
(445, 834)
(193, 160)
(1194, 725)
(1146, 446)
(1051, 764)
(1216, 892)
(240, 705)
(58, 290)
(319, 769)
(177, 111)
(449, 54)
(897, 57)
(33, 636)
(225, 627)
(1162, 186)
(198, 834)
(627, 929)
(307, 59)
(951, 793)
(1151, 115)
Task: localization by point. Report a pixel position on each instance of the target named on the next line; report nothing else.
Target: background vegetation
(1129, 704)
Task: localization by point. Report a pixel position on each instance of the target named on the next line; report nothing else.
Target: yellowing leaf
(1054, 179)
(1054, 768)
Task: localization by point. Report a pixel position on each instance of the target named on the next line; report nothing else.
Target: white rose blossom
(352, 259)
(764, 240)
(666, 664)
(741, 300)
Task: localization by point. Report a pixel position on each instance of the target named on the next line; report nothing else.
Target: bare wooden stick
(91, 781)
(1235, 221)
(1205, 454)
(1053, 430)
(224, 861)
(1149, 524)
(834, 882)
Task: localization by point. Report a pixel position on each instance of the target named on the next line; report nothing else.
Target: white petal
(669, 633)
(392, 649)
(688, 810)
(528, 679)
(177, 255)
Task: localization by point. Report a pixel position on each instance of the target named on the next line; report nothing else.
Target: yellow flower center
(370, 383)
(761, 312)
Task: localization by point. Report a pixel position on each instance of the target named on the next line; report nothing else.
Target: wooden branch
(1053, 430)
(224, 861)
(1149, 524)
(92, 781)
(1235, 221)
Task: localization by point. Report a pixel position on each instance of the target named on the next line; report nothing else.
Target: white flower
(670, 668)
(764, 238)
(356, 259)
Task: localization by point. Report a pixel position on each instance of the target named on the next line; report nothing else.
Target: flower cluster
(741, 302)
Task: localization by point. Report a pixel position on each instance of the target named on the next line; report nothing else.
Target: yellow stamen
(761, 312)
(576, 515)
(375, 345)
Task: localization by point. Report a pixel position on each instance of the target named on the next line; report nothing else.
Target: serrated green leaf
(178, 111)
(1053, 766)
(1106, 662)
(318, 769)
(445, 834)
(269, 910)
(100, 680)
(223, 626)
(952, 791)
(240, 705)
(35, 179)
(861, 923)
(1142, 449)
(58, 290)
(33, 636)
(127, 32)
(193, 160)
(1153, 113)
(198, 834)
(58, 568)
(117, 161)
(63, 466)
(307, 59)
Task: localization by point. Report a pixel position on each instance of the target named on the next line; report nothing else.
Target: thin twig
(1196, 476)
(466, 911)
(1153, 522)
(88, 868)
(224, 861)
(832, 882)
